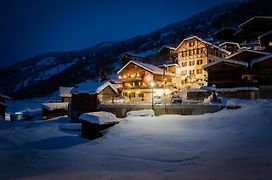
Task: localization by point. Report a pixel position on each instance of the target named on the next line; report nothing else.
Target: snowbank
(145, 112)
(100, 117)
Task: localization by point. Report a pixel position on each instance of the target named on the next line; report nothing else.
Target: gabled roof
(269, 56)
(246, 50)
(227, 42)
(222, 60)
(90, 87)
(65, 91)
(149, 67)
(205, 42)
(4, 96)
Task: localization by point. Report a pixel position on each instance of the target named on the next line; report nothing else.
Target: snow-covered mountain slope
(43, 74)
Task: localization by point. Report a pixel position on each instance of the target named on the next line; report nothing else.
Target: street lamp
(152, 85)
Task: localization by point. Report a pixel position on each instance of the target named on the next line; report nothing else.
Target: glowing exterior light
(152, 84)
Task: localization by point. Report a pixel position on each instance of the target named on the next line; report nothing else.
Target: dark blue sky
(31, 27)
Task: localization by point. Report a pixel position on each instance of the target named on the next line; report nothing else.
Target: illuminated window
(199, 71)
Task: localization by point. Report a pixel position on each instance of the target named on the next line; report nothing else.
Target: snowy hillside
(230, 144)
(43, 74)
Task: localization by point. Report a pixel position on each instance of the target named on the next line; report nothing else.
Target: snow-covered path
(230, 144)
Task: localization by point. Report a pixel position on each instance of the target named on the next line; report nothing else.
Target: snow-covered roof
(261, 59)
(4, 96)
(56, 105)
(247, 50)
(149, 67)
(205, 42)
(100, 117)
(265, 34)
(168, 65)
(222, 60)
(228, 42)
(91, 87)
(167, 47)
(65, 91)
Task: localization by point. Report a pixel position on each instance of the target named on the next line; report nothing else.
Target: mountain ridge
(72, 67)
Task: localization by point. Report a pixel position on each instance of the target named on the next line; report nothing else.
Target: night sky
(31, 27)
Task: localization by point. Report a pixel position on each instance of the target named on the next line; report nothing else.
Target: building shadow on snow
(60, 142)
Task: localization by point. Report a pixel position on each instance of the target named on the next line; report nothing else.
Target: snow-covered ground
(230, 144)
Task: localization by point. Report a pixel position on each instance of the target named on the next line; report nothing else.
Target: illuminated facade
(193, 53)
(137, 78)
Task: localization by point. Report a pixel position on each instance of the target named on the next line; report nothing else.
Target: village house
(142, 80)
(193, 53)
(132, 57)
(3, 106)
(165, 55)
(87, 96)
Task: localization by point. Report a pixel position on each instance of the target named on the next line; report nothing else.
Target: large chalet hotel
(196, 62)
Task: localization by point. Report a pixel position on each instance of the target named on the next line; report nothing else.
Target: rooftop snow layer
(65, 91)
(100, 117)
(56, 105)
(91, 87)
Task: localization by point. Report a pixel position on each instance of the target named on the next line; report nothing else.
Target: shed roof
(269, 56)
(91, 87)
(231, 61)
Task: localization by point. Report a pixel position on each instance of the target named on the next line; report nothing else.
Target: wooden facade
(193, 53)
(83, 102)
(224, 73)
(137, 78)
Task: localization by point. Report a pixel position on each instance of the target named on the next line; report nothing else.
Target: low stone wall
(242, 93)
(183, 109)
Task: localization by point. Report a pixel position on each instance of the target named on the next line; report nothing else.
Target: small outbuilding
(52, 110)
(88, 95)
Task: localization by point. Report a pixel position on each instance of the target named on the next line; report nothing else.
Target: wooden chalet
(3, 106)
(165, 55)
(87, 96)
(132, 57)
(137, 78)
(252, 29)
(193, 53)
(52, 110)
(226, 73)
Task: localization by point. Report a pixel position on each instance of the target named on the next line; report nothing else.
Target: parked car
(176, 99)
